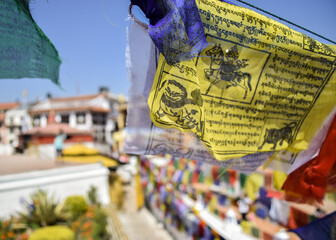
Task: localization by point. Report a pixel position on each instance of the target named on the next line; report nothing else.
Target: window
(65, 118)
(80, 118)
(36, 121)
(99, 136)
(99, 118)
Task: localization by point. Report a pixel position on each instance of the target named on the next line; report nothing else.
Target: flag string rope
(287, 21)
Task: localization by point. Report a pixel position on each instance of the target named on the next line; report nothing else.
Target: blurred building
(90, 119)
(96, 113)
(39, 141)
(6, 140)
(17, 121)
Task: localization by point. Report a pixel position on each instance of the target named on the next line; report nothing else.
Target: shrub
(6, 229)
(116, 190)
(99, 230)
(92, 195)
(12, 229)
(83, 225)
(53, 233)
(43, 210)
(76, 206)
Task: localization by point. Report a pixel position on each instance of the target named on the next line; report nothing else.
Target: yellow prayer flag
(208, 180)
(246, 226)
(278, 179)
(253, 184)
(213, 204)
(185, 178)
(259, 86)
(140, 198)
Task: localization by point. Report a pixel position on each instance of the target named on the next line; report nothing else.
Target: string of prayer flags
(287, 161)
(258, 87)
(25, 51)
(309, 182)
(142, 136)
(153, 140)
(175, 27)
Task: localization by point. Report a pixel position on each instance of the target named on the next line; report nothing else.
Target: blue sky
(90, 36)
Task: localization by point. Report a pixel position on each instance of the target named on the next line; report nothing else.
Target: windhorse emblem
(227, 67)
(184, 110)
(275, 136)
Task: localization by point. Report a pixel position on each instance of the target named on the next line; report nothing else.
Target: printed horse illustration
(226, 67)
(274, 135)
(184, 110)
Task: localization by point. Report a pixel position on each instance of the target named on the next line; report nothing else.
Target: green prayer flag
(242, 180)
(255, 232)
(25, 51)
(201, 177)
(190, 177)
(176, 163)
(224, 175)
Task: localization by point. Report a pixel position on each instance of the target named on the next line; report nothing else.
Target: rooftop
(95, 102)
(8, 105)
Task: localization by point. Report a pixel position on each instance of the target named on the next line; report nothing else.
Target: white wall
(62, 182)
(88, 120)
(110, 126)
(16, 120)
(72, 120)
(43, 121)
(6, 149)
(47, 151)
